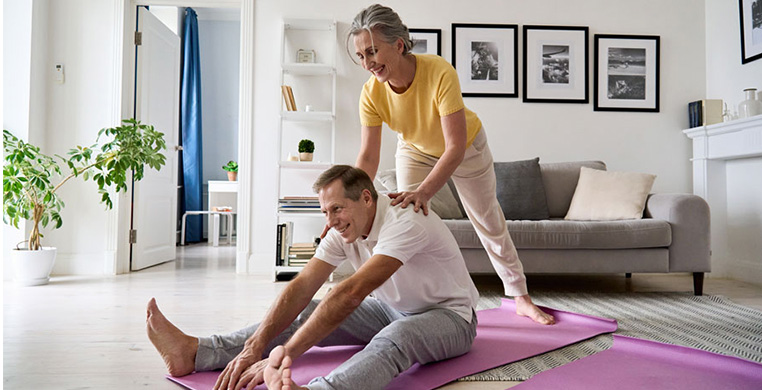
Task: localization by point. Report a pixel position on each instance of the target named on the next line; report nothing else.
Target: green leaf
(40, 183)
(59, 221)
(129, 148)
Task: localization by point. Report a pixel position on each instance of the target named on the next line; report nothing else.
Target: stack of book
(299, 203)
(288, 97)
(704, 112)
(283, 242)
(299, 253)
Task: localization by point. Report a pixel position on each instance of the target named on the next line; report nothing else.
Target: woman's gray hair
(382, 20)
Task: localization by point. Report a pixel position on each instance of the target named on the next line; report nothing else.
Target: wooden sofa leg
(628, 275)
(698, 283)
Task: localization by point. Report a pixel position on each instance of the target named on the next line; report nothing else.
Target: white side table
(221, 193)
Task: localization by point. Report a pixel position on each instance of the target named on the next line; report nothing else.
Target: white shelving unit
(313, 84)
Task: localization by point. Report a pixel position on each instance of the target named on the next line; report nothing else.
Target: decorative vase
(232, 176)
(305, 156)
(751, 106)
(32, 268)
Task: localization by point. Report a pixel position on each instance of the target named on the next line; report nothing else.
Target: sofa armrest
(688, 215)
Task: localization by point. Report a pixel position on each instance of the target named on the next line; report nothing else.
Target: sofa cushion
(445, 202)
(562, 234)
(609, 196)
(520, 190)
(560, 181)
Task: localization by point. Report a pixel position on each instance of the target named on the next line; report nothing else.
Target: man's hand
(418, 199)
(246, 370)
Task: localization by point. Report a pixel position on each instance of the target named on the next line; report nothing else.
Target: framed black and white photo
(556, 64)
(751, 30)
(486, 59)
(626, 71)
(426, 41)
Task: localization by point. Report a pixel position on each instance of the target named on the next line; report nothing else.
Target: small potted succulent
(31, 180)
(232, 169)
(306, 148)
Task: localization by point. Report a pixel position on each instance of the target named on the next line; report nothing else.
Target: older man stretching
(410, 301)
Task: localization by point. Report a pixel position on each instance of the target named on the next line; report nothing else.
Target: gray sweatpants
(393, 343)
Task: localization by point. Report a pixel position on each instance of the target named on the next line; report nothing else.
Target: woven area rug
(710, 323)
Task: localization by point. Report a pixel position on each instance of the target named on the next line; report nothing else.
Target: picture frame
(426, 41)
(750, 14)
(556, 64)
(485, 56)
(305, 56)
(626, 73)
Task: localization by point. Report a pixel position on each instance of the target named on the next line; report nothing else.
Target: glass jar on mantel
(751, 106)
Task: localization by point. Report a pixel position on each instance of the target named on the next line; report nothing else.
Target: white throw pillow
(608, 196)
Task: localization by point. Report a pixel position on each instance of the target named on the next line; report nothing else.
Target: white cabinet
(314, 89)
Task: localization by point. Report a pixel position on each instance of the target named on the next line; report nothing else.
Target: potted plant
(306, 148)
(232, 169)
(31, 181)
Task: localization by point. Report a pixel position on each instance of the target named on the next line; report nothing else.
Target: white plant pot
(305, 156)
(32, 268)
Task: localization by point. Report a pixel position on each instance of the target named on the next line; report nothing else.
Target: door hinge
(138, 38)
(133, 236)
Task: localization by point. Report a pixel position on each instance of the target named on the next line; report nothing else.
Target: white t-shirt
(433, 272)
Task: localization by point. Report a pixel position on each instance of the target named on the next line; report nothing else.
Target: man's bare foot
(176, 348)
(526, 308)
(278, 371)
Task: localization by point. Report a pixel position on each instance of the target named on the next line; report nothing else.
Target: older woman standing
(419, 97)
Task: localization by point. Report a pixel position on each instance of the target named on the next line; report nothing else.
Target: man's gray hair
(382, 20)
(354, 180)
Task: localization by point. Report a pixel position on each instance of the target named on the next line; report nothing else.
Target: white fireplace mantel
(713, 147)
(724, 141)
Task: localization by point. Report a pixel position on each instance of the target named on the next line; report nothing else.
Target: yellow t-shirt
(415, 113)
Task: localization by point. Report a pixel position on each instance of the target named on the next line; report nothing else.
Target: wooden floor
(89, 332)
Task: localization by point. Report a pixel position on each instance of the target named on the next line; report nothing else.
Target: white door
(158, 98)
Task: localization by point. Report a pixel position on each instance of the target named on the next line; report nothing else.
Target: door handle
(178, 148)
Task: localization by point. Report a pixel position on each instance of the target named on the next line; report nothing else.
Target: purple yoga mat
(634, 364)
(502, 337)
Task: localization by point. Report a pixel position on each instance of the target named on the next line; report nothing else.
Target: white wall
(17, 23)
(80, 36)
(219, 44)
(726, 78)
(643, 142)
(25, 76)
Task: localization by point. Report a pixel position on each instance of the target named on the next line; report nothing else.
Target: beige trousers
(475, 181)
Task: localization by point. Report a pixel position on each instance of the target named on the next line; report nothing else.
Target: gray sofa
(672, 236)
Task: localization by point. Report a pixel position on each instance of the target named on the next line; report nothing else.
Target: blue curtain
(190, 126)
